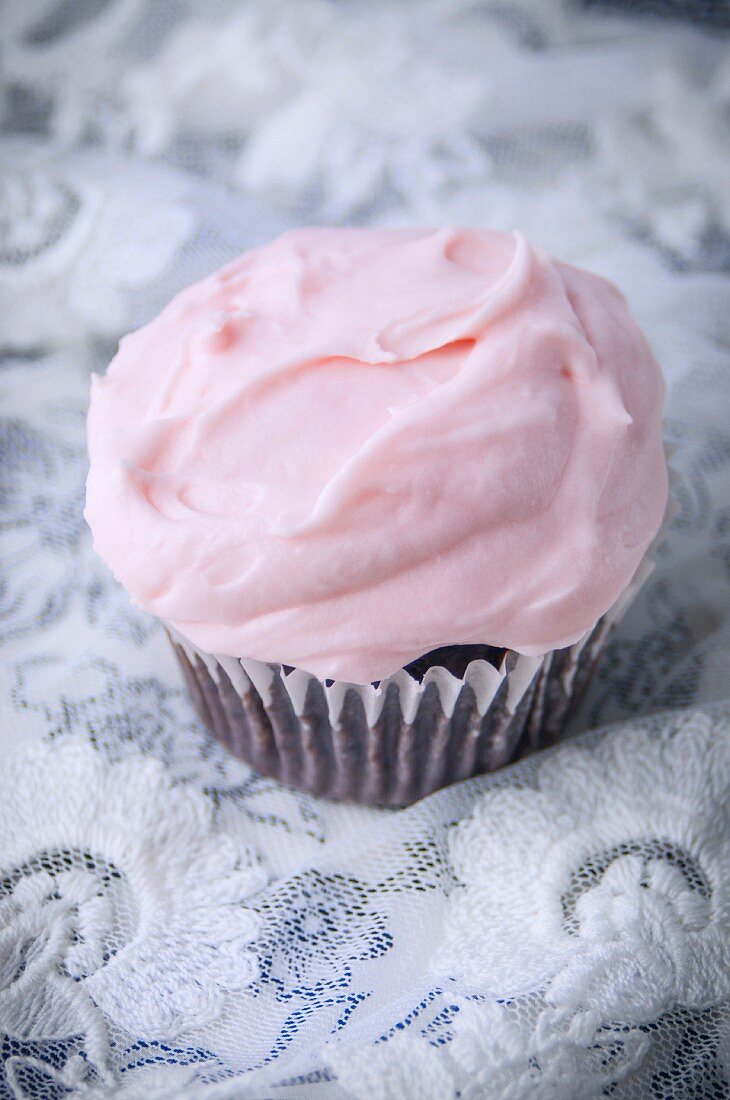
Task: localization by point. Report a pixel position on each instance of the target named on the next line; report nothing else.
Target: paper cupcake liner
(391, 744)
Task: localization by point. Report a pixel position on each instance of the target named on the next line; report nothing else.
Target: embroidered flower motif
(103, 922)
(616, 878)
(345, 133)
(42, 1078)
(526, 1052)
(188, 86)
(592, 905)
(400, 1069)
(647, 158)
(84, 236)
(52, 933)
(317, 927)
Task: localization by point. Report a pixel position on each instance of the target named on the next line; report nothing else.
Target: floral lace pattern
(174, 925)
(143, 929)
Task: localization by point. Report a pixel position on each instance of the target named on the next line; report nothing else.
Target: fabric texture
(173, 924)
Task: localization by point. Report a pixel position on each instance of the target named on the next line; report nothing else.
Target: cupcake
(388, 490)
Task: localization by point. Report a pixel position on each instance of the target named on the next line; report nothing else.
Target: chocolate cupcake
(389, 490)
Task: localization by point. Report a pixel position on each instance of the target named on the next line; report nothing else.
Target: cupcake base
(389, 744)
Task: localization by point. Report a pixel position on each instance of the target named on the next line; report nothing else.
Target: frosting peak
(350, 447)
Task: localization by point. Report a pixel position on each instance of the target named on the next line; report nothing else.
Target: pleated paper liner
(395, 742)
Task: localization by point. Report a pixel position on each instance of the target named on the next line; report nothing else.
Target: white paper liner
(484, 679)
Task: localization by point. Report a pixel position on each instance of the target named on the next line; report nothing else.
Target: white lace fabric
(174, 925)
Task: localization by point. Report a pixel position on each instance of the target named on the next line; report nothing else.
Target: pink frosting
(353, 446)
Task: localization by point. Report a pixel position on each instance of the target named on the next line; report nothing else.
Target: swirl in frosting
(350, 447)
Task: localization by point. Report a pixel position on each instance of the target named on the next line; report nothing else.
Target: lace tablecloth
(173, 925)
